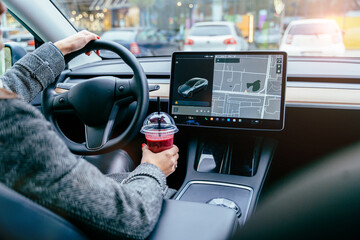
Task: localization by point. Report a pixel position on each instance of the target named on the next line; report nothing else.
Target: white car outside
(313, 37)
(215, 36)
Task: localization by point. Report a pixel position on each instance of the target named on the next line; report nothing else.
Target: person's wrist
(5, 94)
(63, 49)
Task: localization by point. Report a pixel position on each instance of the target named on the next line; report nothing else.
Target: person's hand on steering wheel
(76, 42)
(165, 160)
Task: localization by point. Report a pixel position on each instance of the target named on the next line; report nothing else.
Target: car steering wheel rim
(108, 90)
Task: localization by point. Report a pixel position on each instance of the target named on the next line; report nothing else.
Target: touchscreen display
(229, 89)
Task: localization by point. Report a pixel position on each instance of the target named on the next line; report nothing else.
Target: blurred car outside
(169, 34)
(174, 37)
(140, 42)
(215, 36)
(313, 37)
(8, 31)
(267, 38)
(26, 40)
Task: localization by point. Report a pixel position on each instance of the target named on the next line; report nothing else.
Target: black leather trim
(181, 220)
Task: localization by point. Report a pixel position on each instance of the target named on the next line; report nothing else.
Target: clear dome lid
(159, 122)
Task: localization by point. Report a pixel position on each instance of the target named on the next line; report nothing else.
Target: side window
(5, 60)
(13, 31)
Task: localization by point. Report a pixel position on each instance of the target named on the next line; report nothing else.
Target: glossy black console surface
(221, 194)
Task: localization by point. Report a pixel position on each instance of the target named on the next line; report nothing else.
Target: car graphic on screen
(193, 86)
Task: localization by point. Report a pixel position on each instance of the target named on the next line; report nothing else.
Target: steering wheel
(97, 101)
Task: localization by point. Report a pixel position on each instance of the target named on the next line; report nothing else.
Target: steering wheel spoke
(96, 137)
(125, 88)
(61, 102)
(136, 87)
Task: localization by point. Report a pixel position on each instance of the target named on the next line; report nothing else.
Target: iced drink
(158, 143)
(159, 129)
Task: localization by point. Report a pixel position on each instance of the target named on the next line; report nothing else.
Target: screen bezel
(248, 124)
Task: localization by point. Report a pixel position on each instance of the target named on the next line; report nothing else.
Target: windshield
(301, 28)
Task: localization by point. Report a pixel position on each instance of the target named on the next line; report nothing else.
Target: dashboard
(309, 85)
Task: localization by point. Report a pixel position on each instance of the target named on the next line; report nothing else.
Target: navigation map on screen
(247, 86)
(227, 87)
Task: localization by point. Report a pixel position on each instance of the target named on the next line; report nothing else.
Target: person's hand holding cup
(165, 160)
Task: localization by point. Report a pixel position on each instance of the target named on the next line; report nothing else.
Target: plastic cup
(159, 130)
(159, 142)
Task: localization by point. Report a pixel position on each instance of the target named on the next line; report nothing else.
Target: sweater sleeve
(34, 72)
(36, 163)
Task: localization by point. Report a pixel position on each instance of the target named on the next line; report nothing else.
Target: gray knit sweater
(36, 163)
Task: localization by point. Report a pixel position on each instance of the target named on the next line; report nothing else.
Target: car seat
(21, 218)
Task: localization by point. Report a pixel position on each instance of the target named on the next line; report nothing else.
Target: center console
(229, 92)
(231, 175)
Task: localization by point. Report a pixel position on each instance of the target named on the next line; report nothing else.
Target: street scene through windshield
(160, 27)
